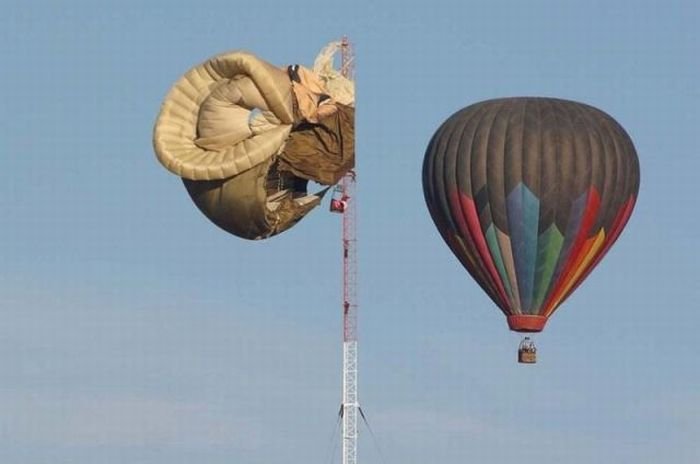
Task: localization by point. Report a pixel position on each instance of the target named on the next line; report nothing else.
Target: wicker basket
(527, 357)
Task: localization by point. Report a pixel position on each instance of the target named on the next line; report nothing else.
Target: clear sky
(132, 330)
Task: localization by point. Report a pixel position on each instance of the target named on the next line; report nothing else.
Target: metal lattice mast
(350, 405)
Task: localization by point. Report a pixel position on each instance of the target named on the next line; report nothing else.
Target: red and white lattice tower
(350, 405)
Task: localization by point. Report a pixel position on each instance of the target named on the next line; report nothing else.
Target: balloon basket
(527, 352)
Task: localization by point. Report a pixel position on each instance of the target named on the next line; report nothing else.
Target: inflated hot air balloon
(246, 136)
(530, 194)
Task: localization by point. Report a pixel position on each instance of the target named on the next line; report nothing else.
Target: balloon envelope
(246, 137)
(530, 193)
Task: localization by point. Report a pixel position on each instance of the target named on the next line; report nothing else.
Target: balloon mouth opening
(527, 323)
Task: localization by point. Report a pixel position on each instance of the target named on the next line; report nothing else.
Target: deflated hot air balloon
(530, 194)
(246, 137)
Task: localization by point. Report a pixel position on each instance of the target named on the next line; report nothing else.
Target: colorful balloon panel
(530, 193)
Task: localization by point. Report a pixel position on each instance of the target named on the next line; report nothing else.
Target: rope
(374, 437)
(333, 445)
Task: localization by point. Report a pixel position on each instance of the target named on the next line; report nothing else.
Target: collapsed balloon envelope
(246, 137)
(530, 193)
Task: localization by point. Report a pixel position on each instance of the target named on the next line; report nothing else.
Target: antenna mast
(350, 405)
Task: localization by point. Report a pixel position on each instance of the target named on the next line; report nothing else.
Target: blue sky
(135, 331)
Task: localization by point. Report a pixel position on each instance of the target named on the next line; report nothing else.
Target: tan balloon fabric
(223, 128)
(322, 152)
(339, 87)
(239, 204)
(308, 92)
(203, 131)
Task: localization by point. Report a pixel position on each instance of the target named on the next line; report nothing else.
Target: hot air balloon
(246, 137)
(530, 193)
